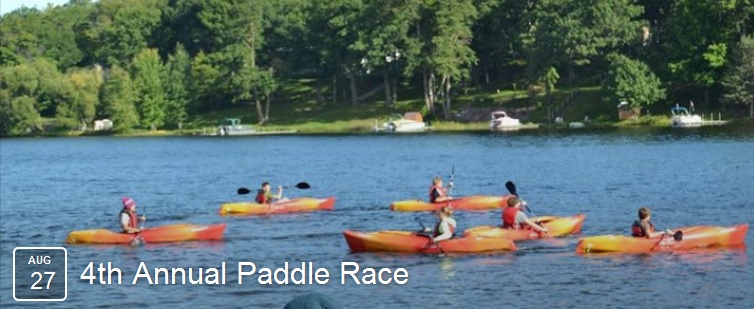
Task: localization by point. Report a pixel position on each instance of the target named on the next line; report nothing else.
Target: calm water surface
(49, 187)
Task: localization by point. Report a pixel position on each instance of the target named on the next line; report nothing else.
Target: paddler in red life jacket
(644, 227)
(264, 196)
(128, 218)
(446, 226)
(436, 192)
(515, 219)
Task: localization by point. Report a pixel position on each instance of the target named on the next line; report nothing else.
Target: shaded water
(49, 187)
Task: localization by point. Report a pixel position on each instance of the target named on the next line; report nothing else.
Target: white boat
(411, 122)
(683, 119)
(500, 121)
(233, 127)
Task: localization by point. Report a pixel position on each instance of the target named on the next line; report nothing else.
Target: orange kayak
(476, 202)
(412, 242)
(557, 226)
(304, 204)
(693, 237)
(165, 233)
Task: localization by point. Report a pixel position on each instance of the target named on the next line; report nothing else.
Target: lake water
(51, 186)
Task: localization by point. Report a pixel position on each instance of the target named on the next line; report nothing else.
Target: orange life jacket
(133, 221)
(432, 191)
(262, 197)
(509, 218)
(636, 229)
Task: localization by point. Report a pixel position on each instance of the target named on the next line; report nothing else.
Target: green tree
(147, 69)
(177, 81)
(571, 33)
(118, 30)
(698, 37)
(81, 98)
(632, 81)
(738, 81)
(383, 40)
(445, 36)
(119, 100)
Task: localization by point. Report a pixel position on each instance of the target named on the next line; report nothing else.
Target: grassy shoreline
(365, 127)
(297, 110)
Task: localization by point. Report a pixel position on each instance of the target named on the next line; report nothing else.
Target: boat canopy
(230, 122)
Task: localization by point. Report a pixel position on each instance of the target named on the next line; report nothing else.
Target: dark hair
(512, 201)
(644, 212)
(265, 183)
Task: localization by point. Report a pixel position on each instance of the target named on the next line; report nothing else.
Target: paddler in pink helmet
(128, 218)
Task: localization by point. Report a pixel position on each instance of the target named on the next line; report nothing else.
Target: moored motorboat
(500, 121)
(681, 118)
(413, 242)
(472, 203)
(556, 226)
(690, 238)
(160, 234)
(304, 204)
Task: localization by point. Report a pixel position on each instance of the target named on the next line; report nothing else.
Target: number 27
(35, 287)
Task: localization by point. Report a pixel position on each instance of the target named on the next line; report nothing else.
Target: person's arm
(446, 234)
(280, 193)
(521, 216)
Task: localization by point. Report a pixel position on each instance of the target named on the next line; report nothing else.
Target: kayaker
(644, 226)
(264, 196)
(446, 226)
(515, 219)
(436, 192)
(129, 220)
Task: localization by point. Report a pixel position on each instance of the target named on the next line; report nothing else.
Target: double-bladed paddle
(300, 185)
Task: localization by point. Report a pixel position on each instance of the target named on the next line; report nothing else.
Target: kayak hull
(469, 203)
(557, 226)
(305, 204)
(411, 242)
(165, 233)
(693, 237)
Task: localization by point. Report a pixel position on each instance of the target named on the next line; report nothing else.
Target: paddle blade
(243, 191)
(511, 188)
(303, 185)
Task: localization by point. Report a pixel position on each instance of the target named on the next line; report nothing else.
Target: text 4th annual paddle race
(307, 274)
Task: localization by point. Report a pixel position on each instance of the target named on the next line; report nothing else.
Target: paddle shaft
(512, 189)
(301, 185)
(442, 252)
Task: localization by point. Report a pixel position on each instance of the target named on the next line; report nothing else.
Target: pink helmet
(128, 203)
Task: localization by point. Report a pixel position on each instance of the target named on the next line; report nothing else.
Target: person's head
(514, 202)
(266, 186)
(445, 211)
(437, 181)
(128, 203)
(644, 213)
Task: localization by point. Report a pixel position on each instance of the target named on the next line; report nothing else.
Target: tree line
(154, 63)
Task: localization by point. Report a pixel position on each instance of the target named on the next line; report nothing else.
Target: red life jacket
(509, 218)
(133, 221)
(437, 229)
(432, 191)
(636, 229)
(261, 197)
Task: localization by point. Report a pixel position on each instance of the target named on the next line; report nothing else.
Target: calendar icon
(40, 274)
